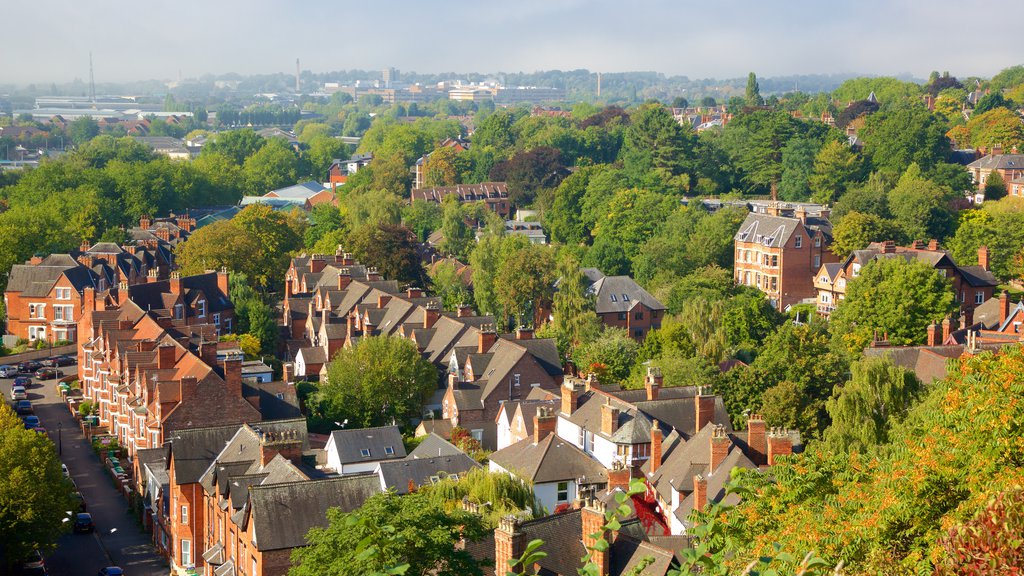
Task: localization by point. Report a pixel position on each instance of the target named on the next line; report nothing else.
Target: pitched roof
(434, 445)
(775, 231)
(397, 474)
(349, 444)
(302, 191)
(620, 294)
(561, 534)
(999, 162)
(464, 192)
(550, 460)
(282, 514)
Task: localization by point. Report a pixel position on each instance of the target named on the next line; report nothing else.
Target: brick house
(1009, 166)
(971, 285)
(620, 302)
(494, 194)
(780, 251)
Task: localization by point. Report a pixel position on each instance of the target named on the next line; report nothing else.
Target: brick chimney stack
(779, 444)
(705, 408)
(430, 315)
(592, 519)
(571, 390)
(983, 257)
(700, 492)
(933, 334)
(414, 293)
(524, 333)
(653, 382)
(1004, 307)
(486, 339)
(288, 372)
(933, 244)
(543, 423)
(720, 444)
(382, 300)
(233, 374)
(609, 418)
(618, 477)
(287, 443)
(165, 356)
(655, 447)
(947, 325)
(509, 542)
(187, 388)
(344, 278)
(757, 439)
(175, 283)
(464, 311)
(223, 281)
(317, 263)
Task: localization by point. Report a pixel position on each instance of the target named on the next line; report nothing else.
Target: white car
(18, 393)
(8, 371)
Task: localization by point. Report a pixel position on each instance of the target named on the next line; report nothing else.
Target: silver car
(8, 371)
(18, 393)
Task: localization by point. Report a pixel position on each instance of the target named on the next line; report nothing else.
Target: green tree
(921, 208)
(864, 410)
(391, 534)
(422, 217)
(33, 490)
(798, 158)
(836, 167)
(903, 135)
(891, 296)
(995, 187)
(441, 168)
(323, 218)
(273, 166)
(856, 230)
(753, 92)
(448, 286)
(379, 381)
(235, 144)
(83, 129)
(998, 126)
(657, 152)
(321, 152)
(571, 307)
(263, 327)
(485, 261)
(392, 249)
(458, 237)
(524, 281)
(610, 355)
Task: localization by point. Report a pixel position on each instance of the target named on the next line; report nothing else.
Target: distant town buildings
(493, 194)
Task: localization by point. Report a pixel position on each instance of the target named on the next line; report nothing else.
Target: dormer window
(201, 308)
(365, 452)
(817, 241)
(179, 311)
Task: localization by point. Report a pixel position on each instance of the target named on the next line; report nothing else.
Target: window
(389, 450)
(638, 333)
(201, 308)
(63, 293)
(613, 297)
(179, 311)
(799, 242)
(37, 310)
(563, 492)
(817, 241)
(36, 333)
(654, 314)
(625, 297)
(186, 552)
(216, 319)
(516, 379)
(365, 452)
(184, 515)
(477, 434)
(227, 324)
(638, 316)
(979, 297)
(622, 315)
(817, 261)
(775, 260)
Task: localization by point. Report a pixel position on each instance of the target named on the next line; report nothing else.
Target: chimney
(36, 259)
(165, 356)
(801, 213)
(317, 262)
(523, 333)
(983, 259)
(187, 387)
(653, 382)
(917, 245)
(175, 283)
(571, 390)
(997, 149)
(347, 259)
(888, 247)
(609, 418)
(720, 444)
(486, 339)
(287, 443)
(705, 409)
(222, 281)
(382, 300)
(757, 439)
(933, 244)
(1004, 307)
(344, 278)
(350, 325)
(655, 447)
(543, 423)
(700, 492)
(618, 477)
(933, 334)
(509, 542)
(372, 275)
(153, 275)
(946, 329)
(465, 311)
(233, 374)
(414, 293)
(591, 382)
(779, 444)
(144, 222)
(289, 372)
(208, 352)
(430, 315)
(593, 520)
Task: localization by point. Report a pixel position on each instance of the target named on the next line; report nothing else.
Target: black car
(66, 360)
(23, 408)
(49, 362)
(83, 523)
(29, 366)
(49, 373)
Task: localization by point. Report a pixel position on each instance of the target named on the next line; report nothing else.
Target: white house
(361, 449)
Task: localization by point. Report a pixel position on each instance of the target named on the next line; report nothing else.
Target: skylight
(365, 452)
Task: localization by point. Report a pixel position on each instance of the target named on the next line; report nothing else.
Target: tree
(392, 249)
(447, 285)
(753, 92)
(524, 281)
(921, 208)
(322, 151)
(798, 158)
(527, 172)
(995, 187)
(422, 217)
(754, 143)
(633, 216)
(391, 534)
(657, 152)
(836, 167)
(572, 308)
(903, 135)
(263, 326)
(864, 409)
(83, 129)
(989, 102)
(610, 356)
(441, 168)
(323, 218)
(607, 256)
(458, 237)
(273, 166)
(235, 144)
(891, 296)
(856, 230)
(33, 490)
(378, 381)
(997, 127)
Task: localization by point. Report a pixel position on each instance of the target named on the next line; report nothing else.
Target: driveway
(118, 539)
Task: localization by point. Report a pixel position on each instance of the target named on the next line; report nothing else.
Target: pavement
(119, 539)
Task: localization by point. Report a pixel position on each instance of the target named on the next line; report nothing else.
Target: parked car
(66, 360)
(23, 381)
(111, 571)
(49, 373)
(18, 393)
(34, 560)
(7, 370)
(49, 362)
(31, 422)
(77, 497)
(84, 523)
(29, 366)
(23, 407)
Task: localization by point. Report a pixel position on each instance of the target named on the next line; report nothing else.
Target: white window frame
(799, 242)
(184, 515)
(817, 241)
(63, 293)
(37, 310)
(201, 309)
(186, 553)
(216, 318)
(979, 297)
(179, 312)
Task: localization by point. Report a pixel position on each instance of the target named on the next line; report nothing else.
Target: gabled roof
(302, 191)
(282, 514)
(999, 162)
(550, 460)
(397, 474)
(349, 444)
(775, 231)
(618, 293)
(434, 445)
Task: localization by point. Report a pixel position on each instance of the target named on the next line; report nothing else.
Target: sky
(50, 40)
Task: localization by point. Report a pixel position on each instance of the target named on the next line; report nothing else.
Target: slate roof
(302, 191)
(350, 443)
(618, 293)
(434, 445)
(464, 192)
(38, 280)
(282, 514)
(396, 474)
(194, 450)
(561, 534)
(999, 162)
(550, 460)
(150, 295)
(775, 231)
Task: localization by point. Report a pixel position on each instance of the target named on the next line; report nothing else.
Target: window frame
(562, 491)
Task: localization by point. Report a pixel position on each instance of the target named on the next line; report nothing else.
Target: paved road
(78, 554)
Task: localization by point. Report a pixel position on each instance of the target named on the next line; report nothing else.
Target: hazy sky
(49, 40)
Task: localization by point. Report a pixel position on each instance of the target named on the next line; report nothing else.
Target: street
(118, 539)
